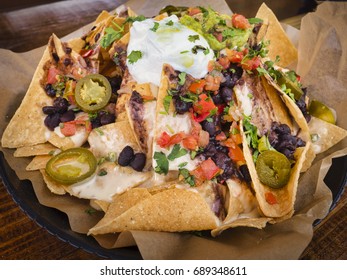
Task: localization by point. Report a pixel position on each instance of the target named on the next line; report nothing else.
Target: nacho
(174, 152)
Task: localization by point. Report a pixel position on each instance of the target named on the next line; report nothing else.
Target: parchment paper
(325, 75)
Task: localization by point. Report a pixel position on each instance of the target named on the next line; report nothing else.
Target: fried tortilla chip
(325, 134)
(38, 162)
(26, 127)
(39, 149)
(52, 185)
(172, 210)
(112, 138)
(280, 45)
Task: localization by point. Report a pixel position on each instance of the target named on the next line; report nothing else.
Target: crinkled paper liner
(322, 46)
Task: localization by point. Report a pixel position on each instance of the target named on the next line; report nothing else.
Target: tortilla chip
(26, 127)
(285, 196)
(112, 138)
(280, 44)
(99, 205)
(52, 185)
(122, 203)
(39, 149)
(38, 162)
(327, 134)
(173, 210)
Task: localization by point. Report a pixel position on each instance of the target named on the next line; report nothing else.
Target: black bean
(49, 110)
(115, 83)
(139, 161)
(245, 173)
(55, 57)
(68, 50)
(67, 61)
(50, 90)
(217, 99)
(52, 121)
(227, 94)
(67, 116)
(181, 106)
(210, 127)
(107, 118)
(97, 37)
(61, 104)
(126, 156)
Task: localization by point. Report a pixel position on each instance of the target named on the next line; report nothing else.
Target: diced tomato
(68, 128)
(221, 136)
(224, 61)
(206, 170)
(194, 10)
(236, 154)
(239, 21)
(201, 117)
(190, 143)
(250, 64)
(270, 198)
(212, 82)
(86, 53)
(165, 140)
(234, 56)
(52, 75)
(235, 134)
(221, 108)
(204, 105)
(197, 86)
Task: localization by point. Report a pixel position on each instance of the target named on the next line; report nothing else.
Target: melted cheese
(117, 180)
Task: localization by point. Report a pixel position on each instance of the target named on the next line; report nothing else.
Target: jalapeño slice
(71, 166)
(273, 169)
(294, 88)
(93, 92)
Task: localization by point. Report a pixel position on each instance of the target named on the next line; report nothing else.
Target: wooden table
(20, 237)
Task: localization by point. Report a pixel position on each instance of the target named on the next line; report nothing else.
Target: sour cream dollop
(166, 41)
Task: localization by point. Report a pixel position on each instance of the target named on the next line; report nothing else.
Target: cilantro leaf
(170, 23)
(137, 18)
(111, 35)
(251, 133)
(188, 178)
(134, 56)
(182, 78)
(155, 27)
(193, 38)
(176, 152)
(162, 163)
(167, 102)
(255, 20)
(197, 48)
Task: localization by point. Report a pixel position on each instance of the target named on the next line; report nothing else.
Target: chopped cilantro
(188, 178)
(162, 163)
(90, 211)
(166, 103)
(111, 35)
(170, 23)
(176, 152)
(134, 56)
(137, 18)
(155, 27)
(251, 133)
(197, 48)
(182, 52)
(255, 20)
(182, 78)
(193, 38)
